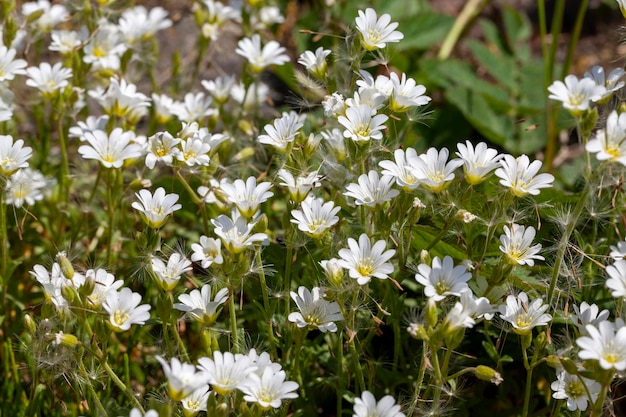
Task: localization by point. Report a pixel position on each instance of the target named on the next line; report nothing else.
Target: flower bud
(29, 323)
(431, 313)
(465, 216)
(486, 373)
(553, 361)
(424, 257)
(64, 339)
(66, 266)
(333, 271)
(540, 341)
(417, 331)
(569, 366)
(69, 293)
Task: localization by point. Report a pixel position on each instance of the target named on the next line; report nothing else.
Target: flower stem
(564, 242)
(266, 304)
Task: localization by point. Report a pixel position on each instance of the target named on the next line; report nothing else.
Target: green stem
(233, 320)
(266, 304)
(419, 381)
(564, 242)
(94, 395)
(438, 381)
(357, 365)
(64, 173)
(183, 181)
(4, 245)
(574, 36)
(471, 10)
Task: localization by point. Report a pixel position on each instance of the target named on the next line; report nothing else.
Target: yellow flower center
(120, 317)
(365, 267)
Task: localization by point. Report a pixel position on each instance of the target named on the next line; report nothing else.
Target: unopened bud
(431, 313)
(417, 331)
(486, 373)
(569, 366)
(424, 257)
(333, 271)
(64, 339)
(69, 293)
(553, 361)
(66, 266)
(465, 216)
(29, 323)
(540, 341)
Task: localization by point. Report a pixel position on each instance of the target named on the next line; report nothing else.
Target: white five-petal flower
(315, 312)
(517, 245)
(522, 315)
(364, 260)
(376, 32)
(443, 278)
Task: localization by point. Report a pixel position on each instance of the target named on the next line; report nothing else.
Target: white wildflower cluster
(261, 381)
(331, 234)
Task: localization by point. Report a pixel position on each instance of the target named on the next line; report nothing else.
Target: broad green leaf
(423, 30)
(495, 127)
(499, 65)
(492, 34)
(517, 26)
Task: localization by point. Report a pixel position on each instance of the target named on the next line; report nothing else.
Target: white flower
(162, 105)
(299, 187)
(105, 48)
(372, 190)
(402, 168)
(111, 150)
(522, 315)
(315, 216)
(376, 32)
(48, 79)
(617, 280)
(606, 344)
(572, 388)
(155, 208)
(194, 152)
(25, 186)
(315, 62)
(182, 378)
(521, 176)
(51, 14)
(9, 66)
(478, 162)
(618, 252)
(334, 105)
(315, 311)
(162, 147)
(268, 389)
(196, 401)
(255, 95)
(367, 406)
(433, 169)
(13, 155)
(611, 83)
(259, 58)
(516, 245)
(136, 413)
(122, 99)
(207, 252)
(65, 41)
(169, 275)
(610, 144)
(406, 93)
(576, 93)
(139, 24)
(226, 371)
(247, 196)
(333, 270)
(588, 314)
(220, 87)
(195, 106)
(283, 131)
(104, 284)
(124, 309)
(236, 234)
(199, 305)
(443, 278)
(361, 124)
(219, 13)
(364, 261)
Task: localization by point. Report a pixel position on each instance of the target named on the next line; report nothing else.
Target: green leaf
(492, 34)
(424, 235)
(495, 127)
(517, 26)
(491, 351)
(423, 30)
(499, 65)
